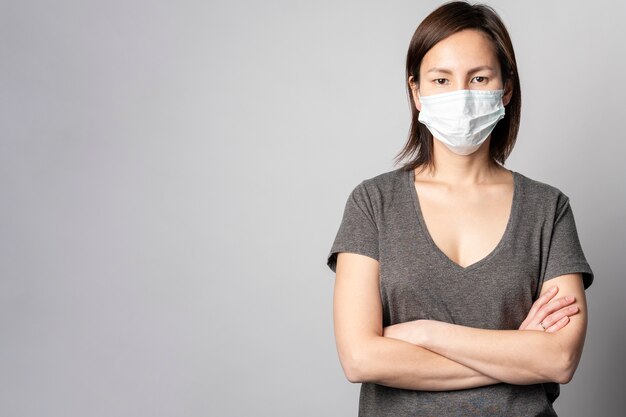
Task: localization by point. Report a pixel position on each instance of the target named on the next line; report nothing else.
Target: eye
(440, 81)
(480, 79)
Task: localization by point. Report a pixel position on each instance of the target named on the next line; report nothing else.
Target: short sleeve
(357, 232)
(566, 255)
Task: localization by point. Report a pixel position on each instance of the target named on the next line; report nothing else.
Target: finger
(558, 325)
(543, 300)
(538, 304)
(553, 306)
(555, 317)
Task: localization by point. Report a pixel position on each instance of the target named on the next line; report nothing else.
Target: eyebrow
(473, 70)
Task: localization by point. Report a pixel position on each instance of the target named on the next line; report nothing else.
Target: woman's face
(465, 60)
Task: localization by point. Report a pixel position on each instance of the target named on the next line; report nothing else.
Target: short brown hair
(444, 21)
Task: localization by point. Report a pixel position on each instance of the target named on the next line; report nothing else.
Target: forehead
(462, 50)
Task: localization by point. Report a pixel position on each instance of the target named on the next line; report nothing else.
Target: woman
(442, 305)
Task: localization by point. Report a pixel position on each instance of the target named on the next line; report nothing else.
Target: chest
(484, 269)
(466, 226)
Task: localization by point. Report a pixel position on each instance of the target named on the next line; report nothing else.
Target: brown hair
(446, 20)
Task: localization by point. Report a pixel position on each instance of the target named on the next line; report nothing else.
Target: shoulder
(384, 186)
(542, 194)
(537, 187)
(381, 193)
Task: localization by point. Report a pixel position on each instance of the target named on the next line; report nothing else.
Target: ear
(508, 92)
(414, 89)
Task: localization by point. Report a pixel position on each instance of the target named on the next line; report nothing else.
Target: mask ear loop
(418, 92)
(419, 96)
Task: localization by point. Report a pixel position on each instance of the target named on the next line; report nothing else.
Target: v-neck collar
(513, 214)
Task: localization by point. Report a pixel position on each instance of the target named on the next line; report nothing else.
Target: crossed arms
(431, 355)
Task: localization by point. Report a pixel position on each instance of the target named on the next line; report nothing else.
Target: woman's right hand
(554, 315)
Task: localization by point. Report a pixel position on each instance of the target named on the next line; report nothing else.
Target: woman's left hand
(548, 314)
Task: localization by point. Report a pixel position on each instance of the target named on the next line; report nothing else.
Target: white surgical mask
(462, 119)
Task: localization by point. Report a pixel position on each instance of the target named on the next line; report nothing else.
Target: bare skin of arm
(511, 355)
(366, 355)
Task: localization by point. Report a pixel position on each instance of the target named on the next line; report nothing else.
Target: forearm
(399, 364)
(513, 356)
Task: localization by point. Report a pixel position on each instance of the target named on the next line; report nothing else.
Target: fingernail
(569, 298)
(553, 289)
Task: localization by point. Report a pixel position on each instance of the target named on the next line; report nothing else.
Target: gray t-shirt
(382, 219)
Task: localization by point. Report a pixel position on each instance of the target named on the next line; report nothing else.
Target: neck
(462, 170)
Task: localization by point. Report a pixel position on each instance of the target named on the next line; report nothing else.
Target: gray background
(172, 175)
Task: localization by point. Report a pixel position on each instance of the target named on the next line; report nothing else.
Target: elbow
(567, 368)
(353, 376)
(564, 377)
(353, 369)
(354, 366)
